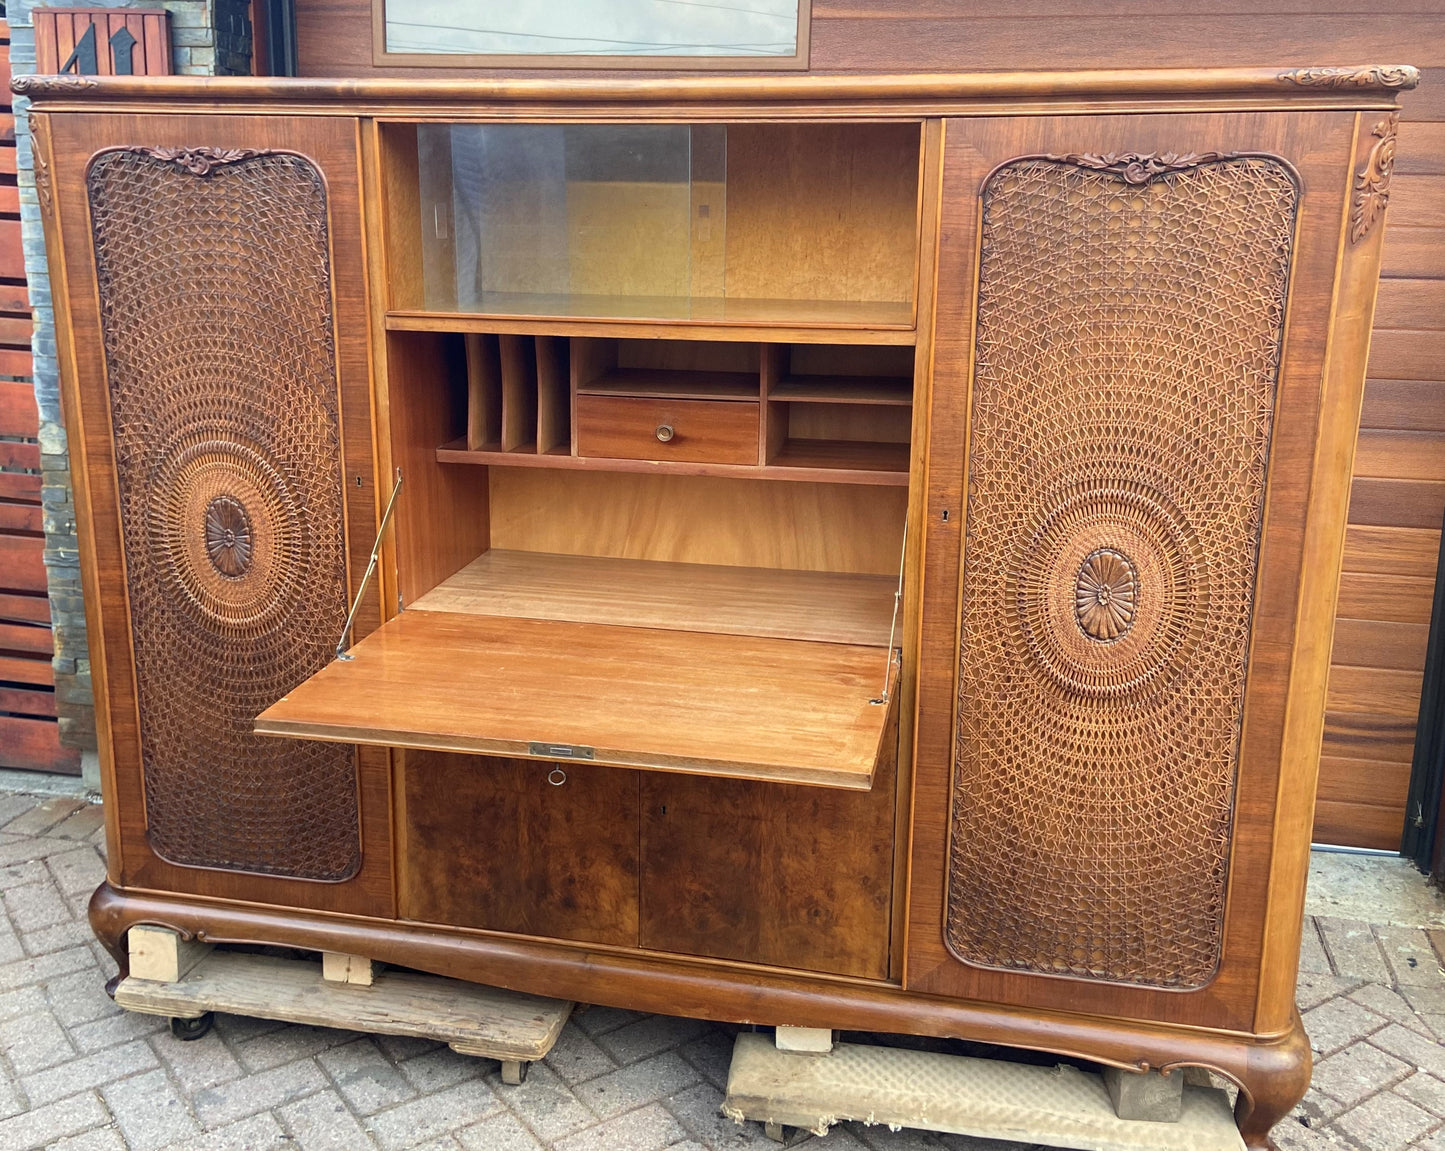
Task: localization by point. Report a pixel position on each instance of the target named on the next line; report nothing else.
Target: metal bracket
(370, 568)
(881, 699)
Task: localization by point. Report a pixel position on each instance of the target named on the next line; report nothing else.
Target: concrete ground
(79, 1074)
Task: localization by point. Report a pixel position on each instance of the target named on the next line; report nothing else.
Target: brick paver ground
(79, 1074)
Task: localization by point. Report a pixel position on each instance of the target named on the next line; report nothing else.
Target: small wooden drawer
(697, 431)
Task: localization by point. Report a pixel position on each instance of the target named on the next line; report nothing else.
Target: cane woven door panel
(221, 377)
(1121, 365)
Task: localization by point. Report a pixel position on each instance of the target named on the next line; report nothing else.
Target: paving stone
(1425, 1090)
(1357, 1072)
(1290, 1135)
(26, 870)
(61, 935)
(1316, 1109)
(545, 1103)
(599, 1020)
(322, 1122)
(712, 1055)
(258, 1133)
(34, 1042)
(1391, 1004)
(198, 1063)
(80, 997)
(442, 1068)
(1340, 1021)
(1425, 1000)
(22, 1001)
(43, 968)
(969, 1143)
(89, 1071)
(576, 1057)
(107, 1032)
(1312, 956)
(288, 1044)
(44, 815)
(10, 949)
(1386, 1123)
(12, 805)
(41, 1126)
(80, 825)
(500, 1132)
(22, 850)
(77, 872)
(1352, 948)
(636, 1084)
(100, 1139)
(646, 1129)
(223, 1104)
(433, 1115)
(404, 1047)
(240, 1029)
(367, 1079)
(149, 1111)
(1408, 954)
(1412, 1048)
(880, 1138)
(650, 1036)
(698, 1109)
(1312, 989)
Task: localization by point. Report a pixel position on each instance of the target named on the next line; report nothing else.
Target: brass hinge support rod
(370, 569)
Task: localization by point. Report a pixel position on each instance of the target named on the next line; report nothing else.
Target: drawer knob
(665, 432)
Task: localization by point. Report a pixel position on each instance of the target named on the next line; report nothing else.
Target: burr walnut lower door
(1108, 624)
(219, 392)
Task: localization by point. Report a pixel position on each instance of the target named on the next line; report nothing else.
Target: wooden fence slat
(16, 362)
(1399, 599)
(19, 486)
(25, 608)
(1391, 551)
(34, 744)
(1413, 253)
(1407, 355)
(1417, 305)
(1357, 735)
(1380, 643)
(1400, 455)
(1404, 405)
(28, 518)
(24, 701)
(27, 639)
(21, 564)
(16, 669)
(1397, 503)
(18, 414)
(17, 456)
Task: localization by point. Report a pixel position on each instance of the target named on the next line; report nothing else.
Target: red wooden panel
(17, 486)
(12, 255)
(34, 744)
(7, 160)
(15, 362)
(14, 329)
(26, 702)
(9, 196)
(26, 639)
(18, 456)
(66, 35)
(57, 30)
(47, 51)
(18, 416)
(20, 518)
(21, 565)
(29, 608)
(13, 297)
(157, 44)
(18, 669)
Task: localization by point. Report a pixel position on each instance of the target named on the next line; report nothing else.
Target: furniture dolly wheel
(189, 1029)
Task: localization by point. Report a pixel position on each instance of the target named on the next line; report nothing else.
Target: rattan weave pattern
(1127, 348)
(215, 294)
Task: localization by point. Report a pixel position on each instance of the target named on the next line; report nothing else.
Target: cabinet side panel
(214, 278)
(1127, 349)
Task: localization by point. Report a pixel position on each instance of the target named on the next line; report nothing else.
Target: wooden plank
(21, 519)
(21, 701)
(25, 608)
(9, 200)
(19, 486)
(736, 706)
(12, 255)
(1374, 690)
(1417, 201)
(1358, 824)
(14, 297)
(1420, 148)
(1401, 599)
(22, 567)
(30, 639)
(1380, 643)
(15, 330)
(1404, 405)
(828, 607)
(19, 456)
(34, 745)
(1392, 551)
(1366, 781)
(1415, 304)
(15, 362)
(1397, 503)
(1400, 455)
(20, 669)
(1397, 354)
(18, 413)
(158, 953)
(1360, 735)
(484, 1020)
(1413, 253)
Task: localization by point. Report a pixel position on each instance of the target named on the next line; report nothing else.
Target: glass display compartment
(788, 224)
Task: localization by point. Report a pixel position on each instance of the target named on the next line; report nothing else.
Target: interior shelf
(892, 390)
(863, 456)
(827, 607)
(674, 385)
(702, 703)
(897, 314)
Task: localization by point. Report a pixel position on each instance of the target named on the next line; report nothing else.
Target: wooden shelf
(891, 390)
(674, 385)
(785, 711)
(834, 455)
(826, 607)
(879, 465)
(798, 331)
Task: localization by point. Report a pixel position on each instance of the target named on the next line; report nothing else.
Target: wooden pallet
(488, 1022)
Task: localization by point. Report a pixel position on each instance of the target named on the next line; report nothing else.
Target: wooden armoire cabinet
(861, 551)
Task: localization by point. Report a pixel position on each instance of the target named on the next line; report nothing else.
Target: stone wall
(208, 37)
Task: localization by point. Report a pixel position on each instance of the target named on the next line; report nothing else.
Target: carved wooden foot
(1272, 1080)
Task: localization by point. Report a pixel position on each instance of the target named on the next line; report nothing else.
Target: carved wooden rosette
(214, 277)
(1130, 313)
(1372, 185)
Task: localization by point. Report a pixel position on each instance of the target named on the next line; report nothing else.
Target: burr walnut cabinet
(852, 552)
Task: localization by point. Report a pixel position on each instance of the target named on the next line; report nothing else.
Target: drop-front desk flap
(783, 710)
